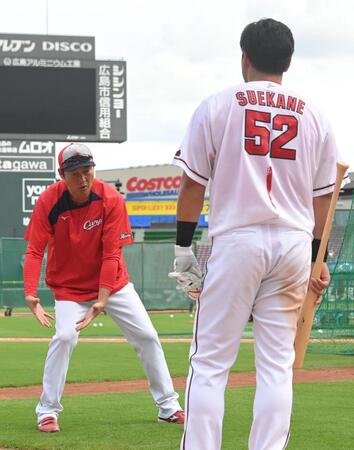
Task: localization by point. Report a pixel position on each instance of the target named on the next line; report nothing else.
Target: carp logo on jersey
(89, 224)
(124, 235)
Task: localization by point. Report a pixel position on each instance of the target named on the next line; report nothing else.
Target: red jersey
(84, 243)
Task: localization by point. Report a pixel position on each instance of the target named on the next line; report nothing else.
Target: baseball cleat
(48, 425)
(177, 417)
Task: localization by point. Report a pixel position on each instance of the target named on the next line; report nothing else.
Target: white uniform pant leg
(223, 309)
(275, 317)
(67, 313)
(127, 310)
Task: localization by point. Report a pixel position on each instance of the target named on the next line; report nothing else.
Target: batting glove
(187, 272)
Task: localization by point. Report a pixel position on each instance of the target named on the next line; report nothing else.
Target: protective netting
(334, 318)
(148, 266)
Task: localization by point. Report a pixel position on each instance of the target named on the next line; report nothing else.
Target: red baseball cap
(73, 156)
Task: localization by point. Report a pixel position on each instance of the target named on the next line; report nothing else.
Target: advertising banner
(26, 170)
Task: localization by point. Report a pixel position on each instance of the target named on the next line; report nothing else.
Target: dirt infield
(235, 380)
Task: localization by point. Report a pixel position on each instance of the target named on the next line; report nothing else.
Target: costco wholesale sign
(154, 200)
(168, 185)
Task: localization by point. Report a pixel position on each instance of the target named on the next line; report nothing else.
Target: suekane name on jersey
(270, 99)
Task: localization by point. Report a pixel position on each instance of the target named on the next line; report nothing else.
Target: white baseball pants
(263, 270)
(127, 310)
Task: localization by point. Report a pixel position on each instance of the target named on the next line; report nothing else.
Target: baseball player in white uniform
(270, 158)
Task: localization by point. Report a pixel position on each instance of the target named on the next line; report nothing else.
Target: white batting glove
(187, 272)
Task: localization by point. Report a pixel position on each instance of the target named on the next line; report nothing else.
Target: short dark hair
(269, 44)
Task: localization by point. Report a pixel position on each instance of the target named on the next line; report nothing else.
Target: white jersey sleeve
(325, 171)
(196, 154)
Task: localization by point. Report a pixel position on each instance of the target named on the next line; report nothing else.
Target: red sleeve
(116, 233)
(37, 235)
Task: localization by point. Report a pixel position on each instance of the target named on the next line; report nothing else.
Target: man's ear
(61, 173)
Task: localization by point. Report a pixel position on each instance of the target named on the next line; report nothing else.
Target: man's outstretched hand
(91, 314)
(36, 308)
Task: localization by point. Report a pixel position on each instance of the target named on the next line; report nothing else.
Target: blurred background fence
(335, 315)
(149, 263)
(334, 318)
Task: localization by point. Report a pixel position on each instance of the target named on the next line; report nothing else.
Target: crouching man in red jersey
(84, 223)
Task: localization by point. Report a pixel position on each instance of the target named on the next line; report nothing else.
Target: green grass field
(180, 325)
(110, 362)
(128, 422)
(322, 417)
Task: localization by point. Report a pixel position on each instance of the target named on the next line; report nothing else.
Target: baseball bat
(307, 313)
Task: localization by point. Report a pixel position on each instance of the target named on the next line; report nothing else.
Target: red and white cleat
(48, 425)
(177, 417)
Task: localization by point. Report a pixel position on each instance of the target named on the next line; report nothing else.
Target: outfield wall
(148, 266)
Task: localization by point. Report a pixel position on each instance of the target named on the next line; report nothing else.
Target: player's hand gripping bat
(308, 308)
